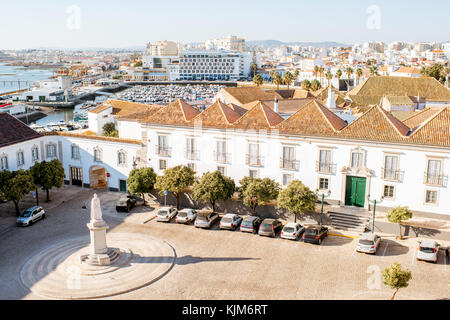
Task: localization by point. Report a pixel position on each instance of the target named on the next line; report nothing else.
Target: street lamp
(374, 208)
(322, 195)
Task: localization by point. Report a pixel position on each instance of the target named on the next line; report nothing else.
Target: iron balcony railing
(289, 164)
(433, 179)
(391, 174)
(192, 154)
(163, 151)
(325, 167)
(254, 161)
(222, 157)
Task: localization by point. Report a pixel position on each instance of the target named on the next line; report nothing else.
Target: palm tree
(373, 70)
(258, 80)
(296, 75)
(321, 71)
(306, 85)
(277, 80)
(348, 72)
(254, 67)
(359, 73)
(287, 78)
(329, 76)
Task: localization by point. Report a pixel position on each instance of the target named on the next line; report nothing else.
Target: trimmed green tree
(315, 85)
(297, 198)
(36, 172)
(212, 187)
(175, 180)
(306, 85)
(141, 181)
(258, 80)
(398, 215)
(257, 191)
(109, 130)
(14, 185)
(396, 278)
(52, 175)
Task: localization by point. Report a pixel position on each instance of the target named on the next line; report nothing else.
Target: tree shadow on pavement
(394, 248)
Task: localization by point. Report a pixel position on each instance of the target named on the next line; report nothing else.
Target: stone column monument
(99, 253)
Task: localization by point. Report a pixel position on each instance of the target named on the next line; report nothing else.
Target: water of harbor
(10, 75)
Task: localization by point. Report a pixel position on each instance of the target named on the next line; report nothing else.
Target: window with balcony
(390, 170)
(434, 175)
(162, 149)
(191, 150)
(324, 165)
(253, 157)
(288, 161)
(221, 155)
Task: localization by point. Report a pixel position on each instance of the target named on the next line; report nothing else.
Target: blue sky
(119, 23)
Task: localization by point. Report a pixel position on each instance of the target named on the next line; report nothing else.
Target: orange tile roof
(91, 137)
(236, 108)
(259, 117)
(124, 108)
(434, 131)
(243, 95)
(312, 119)
(407, 70)
(217, 115)
(418, 118)
(178, 113)
(376, 125)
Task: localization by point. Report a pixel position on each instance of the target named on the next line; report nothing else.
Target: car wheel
(320, 241)
(43, 216)
(30, 223)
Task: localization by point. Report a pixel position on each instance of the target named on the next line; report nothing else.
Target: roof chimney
(331, 101)
(275, 105)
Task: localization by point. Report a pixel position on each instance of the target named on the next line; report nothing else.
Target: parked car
(270, 227)
(165, 214)
(230, 221)
(428, 250)
(315, 234)
(368, 243)
(30, 216)
(125, 204)
(292, 231)
(205, 220)
(250, 224)
(186, 216)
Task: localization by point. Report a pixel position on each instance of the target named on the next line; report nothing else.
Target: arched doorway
(97, 177)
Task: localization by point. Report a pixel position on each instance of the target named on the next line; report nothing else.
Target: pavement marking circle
(56, 272)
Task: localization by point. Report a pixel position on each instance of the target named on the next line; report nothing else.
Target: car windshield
(26, 213)
(289, 229)
(426, 250)
(366, 242)
(227, 220)
(311, 231)
(162, 212)
(182, 214)
(266, 227)
(247, 223)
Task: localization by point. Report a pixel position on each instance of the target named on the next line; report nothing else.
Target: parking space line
(414, 257)
(385, 248)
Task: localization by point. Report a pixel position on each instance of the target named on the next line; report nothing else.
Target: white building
(230, 43)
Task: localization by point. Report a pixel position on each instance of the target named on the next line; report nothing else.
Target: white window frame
(100, 153)
(47, 148)
(328, 184)
(286, 175)
(162, 161)
(393, 192)
(4, 162)
(33, 150)
(22, 158)
(72, 153)
(256, 173)
(434, 204)
(124, 163)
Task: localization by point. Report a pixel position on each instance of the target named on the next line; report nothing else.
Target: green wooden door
(355, 192)
(123, 186)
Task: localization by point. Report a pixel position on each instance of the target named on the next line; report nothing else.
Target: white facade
(98, 119)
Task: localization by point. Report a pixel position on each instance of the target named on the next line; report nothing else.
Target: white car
(230, 221)
(30, 216)
(292, 231)
(428, 250)
(368, 243)
(165, 214)
(186, 216)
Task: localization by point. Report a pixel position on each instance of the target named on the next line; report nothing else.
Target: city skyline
(83, 24)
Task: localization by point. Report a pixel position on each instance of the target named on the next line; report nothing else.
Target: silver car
(205, 220)
(428, 250)
(368, 243)
(165, 214)
(30, 216)
(186, 216)
(230, 221)
(292, 231)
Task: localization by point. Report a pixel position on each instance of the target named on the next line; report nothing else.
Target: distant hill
(277, 43)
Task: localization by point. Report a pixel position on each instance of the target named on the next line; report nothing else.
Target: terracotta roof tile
(312, 119)
(434, 131)
(124, 108)
(419, 117)
(259, 117)
(236, 108)
(217, 115)
(243, 95)
(14, 131)
(376, 125)
(176, 113)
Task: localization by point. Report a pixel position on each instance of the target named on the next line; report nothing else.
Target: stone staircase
(349, 218)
